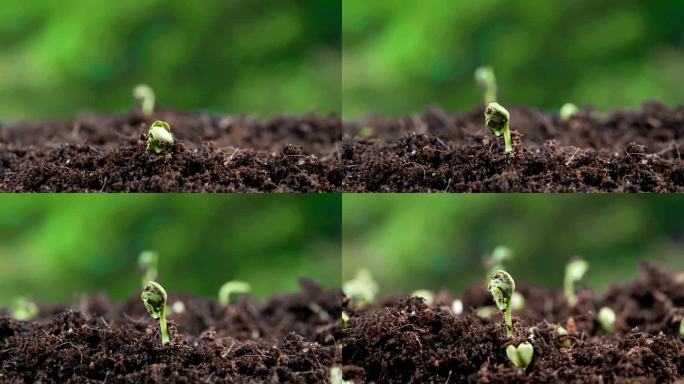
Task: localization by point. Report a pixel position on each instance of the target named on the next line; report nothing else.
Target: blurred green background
(411, 242)
(59, 57)
(54, 246)
(400, 56)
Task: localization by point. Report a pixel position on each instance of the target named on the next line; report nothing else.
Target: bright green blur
(400, 56)
(53, 246)
(241, 56)
(426, 241)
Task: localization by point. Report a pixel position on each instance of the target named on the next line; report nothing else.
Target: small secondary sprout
(574, 271)
(520, 356)
(345, 319)
(501, 286)
(425, 295)
(154, 298)
(606, 318)
(495, 261)
(457, 307)
(362, 287)
(336, 376)
(497, 119)
(485, 79)
(148, 262)
(159, 137)
(567, 110)
(681, 329)
(230, 288)
(145, 95)
(23, 309)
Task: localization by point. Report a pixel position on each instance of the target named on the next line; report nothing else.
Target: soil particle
(403, 340)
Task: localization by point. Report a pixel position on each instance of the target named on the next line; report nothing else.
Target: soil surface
(403, 340)
(438, 151)
(211, 154)
(287, 338)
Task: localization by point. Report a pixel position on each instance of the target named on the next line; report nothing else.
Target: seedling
(606, 318)
(457, 307)
(485, 79)
(366, 132)
(159, 137)
(361, 288)
(336, 376)
(496, 260)
(148, 262)
(566, 343)
(501, 286)
(681, 329)
(485, 312)
(345, 319)
(145, 95)
(23, 309)
(520, 356)
(425, 295)
(154, 298)
(230, 288)
(574, 271)
(497, 119)
(568, 110)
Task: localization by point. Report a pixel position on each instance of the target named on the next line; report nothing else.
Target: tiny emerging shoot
(501, 286)
(148, 262)
(159, 137)
(23, 309)
(345, 319)
(425, 295)
(574, 272)
(457, 307)
(568, 110)
(154, 298)
(485, 312)
(230, 288)
(498, 119)
(681, 329)
(361, 288)
(336, 376)
(145, 95)
(366, 132)
(520, 356)
(562, 332)
(606, 318)
(485, 79)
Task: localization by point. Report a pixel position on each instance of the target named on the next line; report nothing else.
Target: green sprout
(336, 376)
(23, 309)
(230, 288)
(574, 272)
(681, 329)
(345, 319)
(567, 343)
(485, 79)
(497, 119)
(159, 137)
(425, 295)
(568, 110)
(362, 287)
(606, 318)
(520, 356)
(145, 95)
(148, 262)
(154, 298)
(501, 286)
(366, 132)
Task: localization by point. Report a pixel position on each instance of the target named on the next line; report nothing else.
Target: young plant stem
(509, 322)
(162, 326)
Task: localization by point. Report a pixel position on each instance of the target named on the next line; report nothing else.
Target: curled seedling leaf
(148, 262)
(485, 79)
(361, 288)
(145, 95)
(606, 318)
(520, 356)
(231, 288)
(154, 298)
(23, 309)
(501, 286)
(425, 295)
(574, 272)
(497, 119)
(159, 137)
(568, 110)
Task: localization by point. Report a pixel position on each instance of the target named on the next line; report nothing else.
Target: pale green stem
(507, 139)
(509, 322)
(162, 326)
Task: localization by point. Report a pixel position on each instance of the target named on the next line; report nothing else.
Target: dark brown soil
(211, 154)
(438, 151)
(406, 341)
(287, 338)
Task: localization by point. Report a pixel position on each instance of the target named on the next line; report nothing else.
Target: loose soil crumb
(438, 151)
(288, 338)
(211, 154)
(407, 341)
